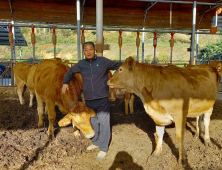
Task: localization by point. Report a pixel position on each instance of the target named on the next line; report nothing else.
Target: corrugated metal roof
(19, 38)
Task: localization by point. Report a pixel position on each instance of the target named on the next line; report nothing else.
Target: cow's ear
(219, 67)
(129, 62)
(91, 112)
(65, 120)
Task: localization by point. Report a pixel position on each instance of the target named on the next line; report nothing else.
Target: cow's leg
(20, 90)
(46, 109)
(51, 116)
(75, 131)
(206, 124)
(160, 133)
(40, 108)
(112, 94)
(32, 94)
(198, 126)
(126, 100)
(131, 102)
(180, 123)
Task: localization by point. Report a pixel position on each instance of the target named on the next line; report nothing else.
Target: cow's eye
(120, 69)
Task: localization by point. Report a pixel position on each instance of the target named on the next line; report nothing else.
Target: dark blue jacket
(95, 76)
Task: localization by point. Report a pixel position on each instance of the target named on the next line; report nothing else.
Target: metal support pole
(13, 53)
(78, 28)
(171, 56)
(154, 58)
(54, 51)
(20, 50)
(119, 54)
(137, 54)
(193, 33)
(13, 47)
(34, 53)
(197, 43)
(99, 27)
(143, 37)
(82, 53)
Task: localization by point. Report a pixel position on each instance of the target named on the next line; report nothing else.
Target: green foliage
(93, 32)
(148, 57)
(163, 56)
(49, 50)
(213, 50)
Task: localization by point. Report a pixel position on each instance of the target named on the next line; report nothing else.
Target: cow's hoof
(50, 137)
(207, 143)
(182, 163)
(76, 134)
(196, 135)
(22, 101)
(153, 156)
(40, 126)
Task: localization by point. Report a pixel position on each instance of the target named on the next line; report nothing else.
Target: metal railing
(7, 74)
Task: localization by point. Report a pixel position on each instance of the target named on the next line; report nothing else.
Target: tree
(214, 51)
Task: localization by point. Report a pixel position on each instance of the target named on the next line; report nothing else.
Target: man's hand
(64, 88)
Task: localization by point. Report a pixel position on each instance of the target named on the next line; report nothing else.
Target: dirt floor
(24, 146)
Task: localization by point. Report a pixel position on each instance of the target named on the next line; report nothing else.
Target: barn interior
(23, 146)
(116, 13)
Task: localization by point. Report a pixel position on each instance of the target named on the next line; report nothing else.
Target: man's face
(89, 52)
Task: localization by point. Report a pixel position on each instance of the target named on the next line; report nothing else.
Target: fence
(6, 71)
(7, 75)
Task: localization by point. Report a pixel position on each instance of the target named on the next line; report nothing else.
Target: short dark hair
(88, 43)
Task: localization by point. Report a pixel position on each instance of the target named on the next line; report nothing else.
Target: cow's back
(169, 82)
(195, 87)
(48, 84)
(21, 71)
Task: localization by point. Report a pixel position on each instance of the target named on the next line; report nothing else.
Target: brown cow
(170, 94)
(21, 71)
(30, 78)
(48, 88)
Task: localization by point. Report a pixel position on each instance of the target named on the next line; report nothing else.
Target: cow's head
(123, 78)
(80, 116)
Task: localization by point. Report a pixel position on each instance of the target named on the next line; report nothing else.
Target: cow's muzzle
(90, 135)
(109, 84)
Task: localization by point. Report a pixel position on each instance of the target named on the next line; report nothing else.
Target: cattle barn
(25, 146)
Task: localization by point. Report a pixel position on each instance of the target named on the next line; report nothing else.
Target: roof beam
(10, 4)
(180, 2)
(145, 12)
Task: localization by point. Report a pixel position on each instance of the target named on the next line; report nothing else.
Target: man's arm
(112, 65)
(67, 78)
(74, 69)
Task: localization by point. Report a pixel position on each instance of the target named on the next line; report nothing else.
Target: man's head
(89, 50)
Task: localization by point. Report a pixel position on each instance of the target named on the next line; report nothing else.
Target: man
(96, 93)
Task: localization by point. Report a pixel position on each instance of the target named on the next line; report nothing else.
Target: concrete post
(99, 27)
